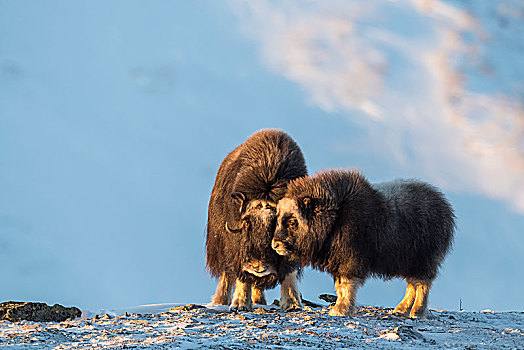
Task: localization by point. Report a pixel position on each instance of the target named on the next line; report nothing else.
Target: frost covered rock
(402, 333)
(38, 312)
(187, 307)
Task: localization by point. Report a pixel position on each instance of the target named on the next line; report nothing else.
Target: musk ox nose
(277, 245)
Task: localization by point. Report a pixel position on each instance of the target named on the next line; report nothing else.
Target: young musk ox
(242, 217)
(336, 221)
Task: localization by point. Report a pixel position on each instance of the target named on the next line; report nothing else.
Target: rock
(406, 333)
(187, 307)
(330, 298)
(37, 312)
(310, 303)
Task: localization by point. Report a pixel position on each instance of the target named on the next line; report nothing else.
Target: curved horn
(230, 230)
(241, 198)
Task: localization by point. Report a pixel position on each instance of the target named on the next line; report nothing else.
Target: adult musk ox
(242, 217)
(336, 221)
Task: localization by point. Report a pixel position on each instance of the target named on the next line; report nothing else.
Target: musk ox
(336, 221)
(242, 217)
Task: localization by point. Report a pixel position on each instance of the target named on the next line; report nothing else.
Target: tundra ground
(195, 326)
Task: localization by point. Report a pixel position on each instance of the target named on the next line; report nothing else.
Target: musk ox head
(258, 218)
(302, 226)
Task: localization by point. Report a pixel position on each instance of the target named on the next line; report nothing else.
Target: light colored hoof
(339, 310)
(287, 307)
(400, 312)
(237, 307)
(240, 308)
(419, 316)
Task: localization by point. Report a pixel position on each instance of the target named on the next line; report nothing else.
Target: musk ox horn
(241, 197)
(232, 230)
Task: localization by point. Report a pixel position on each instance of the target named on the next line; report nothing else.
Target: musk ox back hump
(270, 159)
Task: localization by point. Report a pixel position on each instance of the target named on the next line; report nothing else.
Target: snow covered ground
(115, 115)
(193, 326)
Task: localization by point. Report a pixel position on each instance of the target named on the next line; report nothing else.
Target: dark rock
(187, 307)
(330, 298)
(37, 312)
(310, 303)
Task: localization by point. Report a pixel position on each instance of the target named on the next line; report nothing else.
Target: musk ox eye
(247, 224)
(292, 223)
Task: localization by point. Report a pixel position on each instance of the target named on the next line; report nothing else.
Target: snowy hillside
(191, 327)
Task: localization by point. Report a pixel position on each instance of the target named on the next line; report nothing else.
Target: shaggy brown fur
(242, 215)
(336, 221)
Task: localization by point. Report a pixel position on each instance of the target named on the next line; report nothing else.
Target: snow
(114, 119)
(215, 327)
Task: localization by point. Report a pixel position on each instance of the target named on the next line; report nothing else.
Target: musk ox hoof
(285, 307)
(416, 316)
(290, 303)
(341, 310)
(291, 309)
(240, 308)
(400, 312)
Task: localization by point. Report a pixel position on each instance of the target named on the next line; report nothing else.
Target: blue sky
(114, 118)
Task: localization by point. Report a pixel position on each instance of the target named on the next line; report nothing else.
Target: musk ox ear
(240, 197)
(307, 203)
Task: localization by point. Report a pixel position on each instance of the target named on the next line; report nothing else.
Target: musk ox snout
(259, 268)
(279, 247)
(281, 244)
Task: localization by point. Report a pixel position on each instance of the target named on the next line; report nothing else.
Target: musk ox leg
(241, 297)
(347, 289)
(405, 305)
(223, 293)
(258, 296)
(290, 297)
(420, 305)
